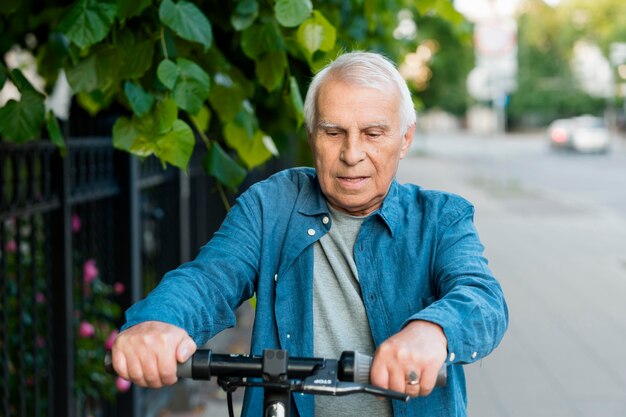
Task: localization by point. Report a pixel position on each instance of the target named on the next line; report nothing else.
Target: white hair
(366, 69)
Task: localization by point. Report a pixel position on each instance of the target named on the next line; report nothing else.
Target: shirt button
(311, 232)
(275, 277)
(325, 220)
(288, 336)
(474, 355)
(452, 356)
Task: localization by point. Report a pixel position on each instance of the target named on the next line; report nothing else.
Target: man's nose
(352, 152)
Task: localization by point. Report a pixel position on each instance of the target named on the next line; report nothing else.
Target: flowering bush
(95, 318)
(28, 309)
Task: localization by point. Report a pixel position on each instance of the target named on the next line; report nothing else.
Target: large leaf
(177, 145)
(290, 13)
(135, 51)
(187, 80)
(226, 97)
(187, 21)
(168, 73)
(89, 21)
(140, 101)
(202, 119)
(296, 100)
(270, 69)
(259, 39)
(125, 133)
(220, 165)
(98, 71)
(132, 8)
(21, 121)
(316, 34)
(193, 86)
(54, 130)
(245, 14)
(258, 151)
(3, 75)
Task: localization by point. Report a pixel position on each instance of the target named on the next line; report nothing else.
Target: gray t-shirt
(339, 318)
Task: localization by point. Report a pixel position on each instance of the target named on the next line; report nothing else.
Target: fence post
(64, 404)
(128, 244)
(184, 215)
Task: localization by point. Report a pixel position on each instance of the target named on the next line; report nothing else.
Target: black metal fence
(97, 216)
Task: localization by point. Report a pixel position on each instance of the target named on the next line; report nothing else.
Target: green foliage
(547, 87)
(173, 64)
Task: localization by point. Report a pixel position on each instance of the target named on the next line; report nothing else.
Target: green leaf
(245, 14)
(258, 151)
(226, 97)
(193, 86)
(270, 69)
(21, 121)
(124, 134)
(290, 13)
(316, 34)
(220, 165)
(136, 51)
(177, 145)
(95, 101)
(160, 120)
(54, 130)
(3, 75)
(140, 101)
(89, 21)
(133, 8)
(21, 82)
(168, 72)
(259, 39)
(98, 71)
(187, 21)
(296, 100)
(202, 119)
(187, 80)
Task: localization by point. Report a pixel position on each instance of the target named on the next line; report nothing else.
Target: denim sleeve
(201, 296)
(471, 308)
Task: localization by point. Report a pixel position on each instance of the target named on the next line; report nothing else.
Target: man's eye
(374, 135)
(332, 133)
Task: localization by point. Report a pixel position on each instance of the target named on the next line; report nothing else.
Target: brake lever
(325, 382)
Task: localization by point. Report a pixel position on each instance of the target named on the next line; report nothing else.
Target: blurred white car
(582, 134)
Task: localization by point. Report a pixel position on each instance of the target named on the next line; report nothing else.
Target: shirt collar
(390, 211)
(314, 203)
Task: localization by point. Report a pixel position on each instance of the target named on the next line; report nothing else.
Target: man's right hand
(147, 353)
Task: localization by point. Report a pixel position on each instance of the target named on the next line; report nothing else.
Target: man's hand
(420, 348)
(147, 353)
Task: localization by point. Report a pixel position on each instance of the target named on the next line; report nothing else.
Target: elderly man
(342, 257)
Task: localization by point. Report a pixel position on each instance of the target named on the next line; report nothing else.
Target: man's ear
(407, 140)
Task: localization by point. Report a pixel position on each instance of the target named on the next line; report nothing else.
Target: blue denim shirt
(418, 257)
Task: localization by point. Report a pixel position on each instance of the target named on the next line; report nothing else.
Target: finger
(185, 349)
(428, 380)
(167, 370)
(118, 360)
(397, 379)
(150, 370)
(379, 375)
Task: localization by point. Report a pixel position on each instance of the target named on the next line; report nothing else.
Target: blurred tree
(233, 73)
(547, 88)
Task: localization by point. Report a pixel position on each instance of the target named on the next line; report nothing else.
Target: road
(554, 228)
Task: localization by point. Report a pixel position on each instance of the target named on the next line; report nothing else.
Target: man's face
(357, 145)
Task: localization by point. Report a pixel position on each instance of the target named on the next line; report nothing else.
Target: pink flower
(10, 246)
(119, 288)
(40, 342)
(86, 329)
(90, 271)
(122, 384)
(40, 298)
(75, 223)
(108, 344)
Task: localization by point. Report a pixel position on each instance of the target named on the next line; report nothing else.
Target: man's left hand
(410, 360)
